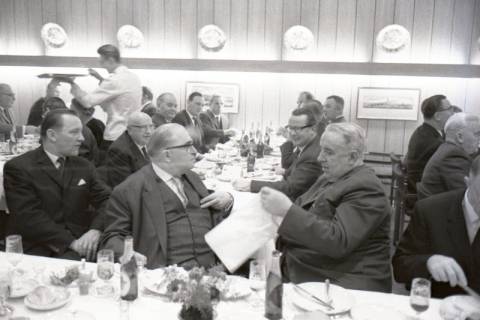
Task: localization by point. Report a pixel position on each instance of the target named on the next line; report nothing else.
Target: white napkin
(248, 228)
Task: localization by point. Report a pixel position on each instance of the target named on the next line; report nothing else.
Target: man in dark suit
(212, 123)
(447, 168)
(339, 228)
(147, 105)
(165, 206)
(334, 109)
(128, 153)
(442, 241)
(189, 118)
(55, 198)
(426, 139)
(166, 109)
(305, 169)
(35, 115)
(7, 123)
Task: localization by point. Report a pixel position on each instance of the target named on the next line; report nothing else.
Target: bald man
(7, 123)
(166, 109)
(128, 153)
(165, 206)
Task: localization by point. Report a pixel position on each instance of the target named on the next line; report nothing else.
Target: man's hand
(242, 184)
(275, 202)
(218, 200)
(95, 74)
(279, 171)
(31, 130)
(446, 269)
(229, 132)
(88, 244)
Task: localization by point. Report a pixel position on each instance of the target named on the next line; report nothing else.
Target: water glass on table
(14, 250)
(105, 271)
(5, 290)
(420, 295)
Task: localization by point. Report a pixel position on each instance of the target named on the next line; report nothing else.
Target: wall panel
(156, 27)
(442, 30)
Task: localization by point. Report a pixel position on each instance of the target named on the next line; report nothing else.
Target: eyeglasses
(149, 126)
(12, 95)
(188, 146)
(297, 129)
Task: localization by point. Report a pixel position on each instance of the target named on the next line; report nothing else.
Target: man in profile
(334, 109)
(442, 241)
(165, 206)
(55, 199)
(447, 168)
(119, 95)
(7, 123)
(166, 109)
(213, 123)
(426, 139)
(189, 118)
(338, 229)
(129, 152)
(305, 169)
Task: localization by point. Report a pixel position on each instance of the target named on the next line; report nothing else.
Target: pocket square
(81, 182)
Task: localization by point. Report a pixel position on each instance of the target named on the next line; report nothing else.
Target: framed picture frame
(230, 93)
(388, 103)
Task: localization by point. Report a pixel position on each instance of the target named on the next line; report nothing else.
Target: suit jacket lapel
(154, 206)
(140, 160)
(68, 173)
(457, 229)
(47, 166)
(197, 185)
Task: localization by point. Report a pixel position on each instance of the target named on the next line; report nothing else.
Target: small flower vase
(194, 313)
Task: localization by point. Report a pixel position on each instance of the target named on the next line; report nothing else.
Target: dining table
(153, 306)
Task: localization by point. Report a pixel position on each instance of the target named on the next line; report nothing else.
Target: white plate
(155, 280)
(63, 296)
(375, 312)
(235, 288)
(23, 287)
(342, 299)
(451, 307)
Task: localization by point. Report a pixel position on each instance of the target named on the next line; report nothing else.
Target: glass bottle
(274, 292)
(128, 272)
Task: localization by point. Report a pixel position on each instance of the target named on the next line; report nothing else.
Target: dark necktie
(220, 124)
(145, 154)
(61, 167)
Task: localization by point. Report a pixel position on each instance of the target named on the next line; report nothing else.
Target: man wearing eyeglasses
(128, 153)
(165, 206)
(305, 169)
(7, 123)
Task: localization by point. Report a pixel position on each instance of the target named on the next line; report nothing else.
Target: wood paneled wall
(442, 31)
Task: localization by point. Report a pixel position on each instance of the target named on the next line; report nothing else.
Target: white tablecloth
(148, 306)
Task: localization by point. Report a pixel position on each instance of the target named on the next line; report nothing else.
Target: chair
(400, 199)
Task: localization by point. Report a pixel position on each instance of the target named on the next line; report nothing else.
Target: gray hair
(163, 137)
(353, 135)
(214, 97)
(162, 96)
(457, 122)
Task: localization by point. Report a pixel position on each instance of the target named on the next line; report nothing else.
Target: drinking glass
(5, 289)
(105, 271)
(257, 276)
(420, 295)
(14, 250)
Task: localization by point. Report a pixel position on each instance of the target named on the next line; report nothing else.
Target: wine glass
(14, 250)
(5, 290)
(257, 276)
(420, 295)
(105, 271)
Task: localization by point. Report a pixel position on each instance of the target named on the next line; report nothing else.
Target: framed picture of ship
(388, 103)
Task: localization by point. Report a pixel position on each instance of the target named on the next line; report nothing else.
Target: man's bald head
(139, 127)
(7, 97)
(167, 105)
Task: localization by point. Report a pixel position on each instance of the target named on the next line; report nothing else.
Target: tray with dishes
(60, 75)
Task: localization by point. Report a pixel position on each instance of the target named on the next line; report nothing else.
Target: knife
(313, 297)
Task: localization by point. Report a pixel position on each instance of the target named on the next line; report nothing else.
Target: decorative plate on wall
(53, 35)
(393, 38)
(212, 38)
(129, 36)
(298, 38)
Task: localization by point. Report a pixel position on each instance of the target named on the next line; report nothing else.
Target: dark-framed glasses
(187, 146)
(145, 127)
(297, 129)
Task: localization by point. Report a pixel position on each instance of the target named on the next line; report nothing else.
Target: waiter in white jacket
(119, 95)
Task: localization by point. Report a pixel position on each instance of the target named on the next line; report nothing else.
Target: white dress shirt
(119, 95)
(472, 219)
(53, 158)
(175, 184)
